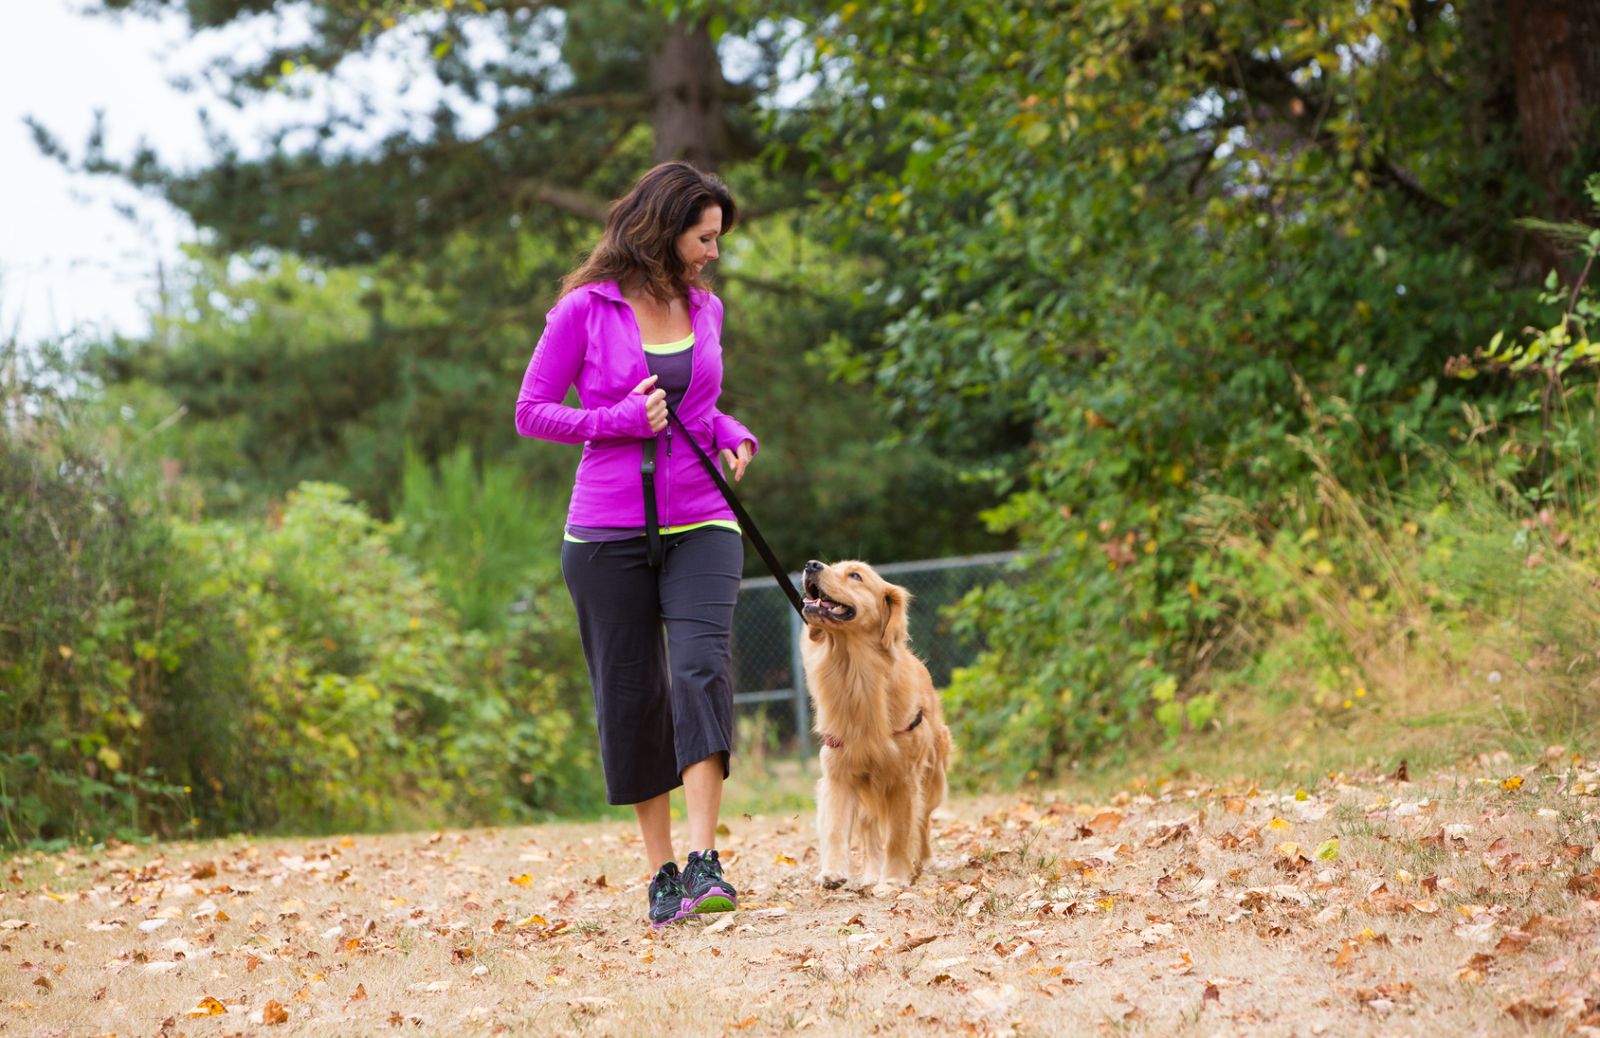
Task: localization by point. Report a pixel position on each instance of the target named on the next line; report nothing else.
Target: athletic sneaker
(705, 889)
(667, 903)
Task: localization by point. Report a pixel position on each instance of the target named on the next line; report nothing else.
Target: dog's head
(850, 599)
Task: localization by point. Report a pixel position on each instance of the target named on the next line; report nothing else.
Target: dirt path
(1461, 903)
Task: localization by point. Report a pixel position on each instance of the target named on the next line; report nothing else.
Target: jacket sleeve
(727, 431)
(541, 411)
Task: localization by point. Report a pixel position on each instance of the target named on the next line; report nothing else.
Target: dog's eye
(855, 576)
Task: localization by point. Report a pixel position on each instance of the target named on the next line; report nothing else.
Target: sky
(70, 262)
(80, 255)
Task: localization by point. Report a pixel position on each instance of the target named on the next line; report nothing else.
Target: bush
(118, 683)
(371, 707)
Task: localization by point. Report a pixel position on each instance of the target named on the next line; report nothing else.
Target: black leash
(653, 527)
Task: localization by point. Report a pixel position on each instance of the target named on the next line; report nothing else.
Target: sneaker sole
(713, 900)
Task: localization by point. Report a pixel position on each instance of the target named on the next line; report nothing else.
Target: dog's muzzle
(817, 605)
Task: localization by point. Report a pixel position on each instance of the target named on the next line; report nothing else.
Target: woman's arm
(541, 412)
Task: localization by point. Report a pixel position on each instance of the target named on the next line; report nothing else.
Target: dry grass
(1449, 905)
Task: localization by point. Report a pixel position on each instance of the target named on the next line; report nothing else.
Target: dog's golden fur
(880, 782)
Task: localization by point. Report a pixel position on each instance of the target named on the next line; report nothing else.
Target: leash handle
(747, 524)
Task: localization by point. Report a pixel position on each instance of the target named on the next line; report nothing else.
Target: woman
(650, 543)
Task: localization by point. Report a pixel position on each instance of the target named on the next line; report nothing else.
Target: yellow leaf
(110, 758)
(1106, 904)
(1278, 825)
(1328, 850)
(1289, 849)
(65, 651)
(1301, 795)
(523, 880)
(783, 859)
(208, 1007)
(534, 920)
(1512, 784)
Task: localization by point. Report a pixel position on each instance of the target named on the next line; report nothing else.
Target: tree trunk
(686, 98)
(1555, 59)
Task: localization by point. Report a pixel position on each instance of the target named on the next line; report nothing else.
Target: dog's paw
(831, 881)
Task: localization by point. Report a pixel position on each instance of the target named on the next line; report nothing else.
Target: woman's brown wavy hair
(637, 247)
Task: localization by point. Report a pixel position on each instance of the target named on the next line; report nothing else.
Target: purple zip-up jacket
(591, 339)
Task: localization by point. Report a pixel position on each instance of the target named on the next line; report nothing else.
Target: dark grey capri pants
(657, 719)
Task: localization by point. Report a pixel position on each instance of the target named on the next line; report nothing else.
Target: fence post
(797, 668)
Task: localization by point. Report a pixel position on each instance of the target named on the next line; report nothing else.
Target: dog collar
(833, 742)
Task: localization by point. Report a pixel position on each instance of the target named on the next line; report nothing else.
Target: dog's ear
(896, 599)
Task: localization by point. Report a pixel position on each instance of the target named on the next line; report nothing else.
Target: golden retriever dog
(885, 746)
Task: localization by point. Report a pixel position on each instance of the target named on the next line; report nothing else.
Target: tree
(353, 300)
(1142, 250)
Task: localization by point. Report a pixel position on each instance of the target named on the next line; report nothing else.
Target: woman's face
(698, 245)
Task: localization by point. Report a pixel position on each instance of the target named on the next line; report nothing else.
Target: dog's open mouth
(821, 606)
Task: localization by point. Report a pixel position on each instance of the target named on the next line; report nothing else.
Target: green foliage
(370, 707)
(161, 676)
(118, 684)
(485, 540)
(1125, 246)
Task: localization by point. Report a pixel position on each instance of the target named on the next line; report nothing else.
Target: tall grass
(1457, 613)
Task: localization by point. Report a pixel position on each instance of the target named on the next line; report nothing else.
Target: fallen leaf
(911, 943)
(523, 880)
(1105, 820)
(208, 1007)
(273, 1013)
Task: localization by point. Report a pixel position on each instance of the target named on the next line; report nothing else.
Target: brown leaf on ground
(208, 1006)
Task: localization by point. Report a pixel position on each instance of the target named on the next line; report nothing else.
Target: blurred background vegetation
(1262, 329)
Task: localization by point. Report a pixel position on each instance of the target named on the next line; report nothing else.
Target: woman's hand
(738, 462)
(655, 404)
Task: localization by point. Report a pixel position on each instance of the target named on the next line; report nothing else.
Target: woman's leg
(702, 793)
(698, 588)
(655, 825)
(613, 589)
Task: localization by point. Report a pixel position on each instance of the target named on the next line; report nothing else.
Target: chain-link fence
(768, 676)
